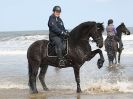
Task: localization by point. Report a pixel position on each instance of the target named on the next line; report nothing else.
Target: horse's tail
(29, 66)
(29, 69)
(29, 73)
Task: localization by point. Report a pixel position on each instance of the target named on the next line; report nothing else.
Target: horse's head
(86, 30)
(124, 29)
(83, 31)
(97, 36)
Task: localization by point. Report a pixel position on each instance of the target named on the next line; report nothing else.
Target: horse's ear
(102, 23)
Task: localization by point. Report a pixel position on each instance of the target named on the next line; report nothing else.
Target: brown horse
(79, 51)
(111, 44)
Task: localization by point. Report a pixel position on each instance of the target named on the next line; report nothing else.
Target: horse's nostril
(99, 45)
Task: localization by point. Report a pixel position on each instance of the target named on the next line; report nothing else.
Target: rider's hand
(66, 34)
(66, 31)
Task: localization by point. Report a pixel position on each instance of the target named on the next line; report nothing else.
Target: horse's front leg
(115, 58)
(119, 55)
(77, 77)
(101, 60)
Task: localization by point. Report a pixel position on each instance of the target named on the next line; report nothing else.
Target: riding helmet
(110, 21)
(57, 8)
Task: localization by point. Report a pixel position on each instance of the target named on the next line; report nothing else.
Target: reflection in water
(78, 96)
(38, 96)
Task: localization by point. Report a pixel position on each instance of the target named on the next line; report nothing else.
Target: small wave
(19, 45)
(15, 52)
(104, 87)
(94, 88)
(11, 85)
(32, 38)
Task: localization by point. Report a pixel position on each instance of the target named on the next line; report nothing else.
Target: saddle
(51, 50)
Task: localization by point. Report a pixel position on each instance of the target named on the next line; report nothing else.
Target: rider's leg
(59, 48)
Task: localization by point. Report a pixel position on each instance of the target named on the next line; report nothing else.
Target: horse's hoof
(100, 63)
(110, 65)
(79, 91)
(34, 92)
(46, 89)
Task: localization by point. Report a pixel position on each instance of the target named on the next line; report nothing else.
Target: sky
(21, 15)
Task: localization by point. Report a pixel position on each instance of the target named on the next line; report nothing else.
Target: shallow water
(116, 79)
(24, 94)
(13, 74)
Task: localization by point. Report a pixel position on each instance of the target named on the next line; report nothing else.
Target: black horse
(111, 44)
(79, 51)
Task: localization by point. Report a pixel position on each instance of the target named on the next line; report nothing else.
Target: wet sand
(25, 94)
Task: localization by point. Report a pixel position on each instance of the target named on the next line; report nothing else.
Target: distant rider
(57, 32)
(111, 31)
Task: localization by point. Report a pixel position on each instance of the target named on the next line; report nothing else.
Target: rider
(57, 32)
(111, 31)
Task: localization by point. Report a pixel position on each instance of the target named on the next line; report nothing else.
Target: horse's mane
(118, 29)
(77, 33)
(122, 24)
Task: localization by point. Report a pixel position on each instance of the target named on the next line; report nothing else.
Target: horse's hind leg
(33, 71)
(115, 58)
(42, 76)
(77, 77)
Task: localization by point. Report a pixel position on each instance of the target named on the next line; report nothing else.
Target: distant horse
(111, 45)
(79, 51)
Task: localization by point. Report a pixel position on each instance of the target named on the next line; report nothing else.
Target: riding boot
(60, 58)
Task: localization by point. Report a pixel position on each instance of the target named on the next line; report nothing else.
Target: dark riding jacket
(56, 26)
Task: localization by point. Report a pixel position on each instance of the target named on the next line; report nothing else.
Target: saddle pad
(51, 49)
